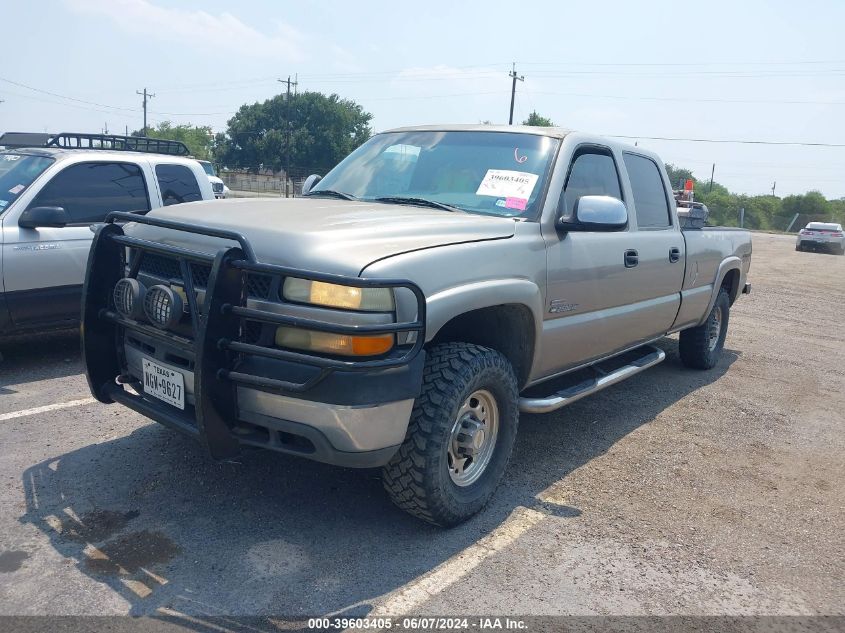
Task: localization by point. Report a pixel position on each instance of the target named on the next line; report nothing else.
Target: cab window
(593, 173)
(88, 192)
(651, 204)
(178, 184)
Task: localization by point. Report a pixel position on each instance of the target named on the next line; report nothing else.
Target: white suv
(51, 194)
(217, 184)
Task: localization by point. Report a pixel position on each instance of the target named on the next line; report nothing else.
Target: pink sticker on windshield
(516, 203)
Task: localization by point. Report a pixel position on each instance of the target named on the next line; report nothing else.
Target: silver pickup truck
(405, 310)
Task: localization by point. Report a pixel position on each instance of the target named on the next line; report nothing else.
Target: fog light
(129, 298)
(339, 344)
(163, 306)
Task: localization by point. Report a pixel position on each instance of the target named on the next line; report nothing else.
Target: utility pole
(712, 173)
(512, 74)
(288, 125)
(774, 184)
(147, 97)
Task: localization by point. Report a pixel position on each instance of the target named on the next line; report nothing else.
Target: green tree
(537, 120)
(323, 129)
(198, 138)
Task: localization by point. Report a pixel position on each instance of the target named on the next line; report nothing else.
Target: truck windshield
(494, 173)
(17, 171)
(208, 167)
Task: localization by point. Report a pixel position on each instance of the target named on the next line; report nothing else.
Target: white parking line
(46, 408)
(407, 599)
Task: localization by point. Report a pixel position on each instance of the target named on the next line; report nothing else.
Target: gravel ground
(676, 492)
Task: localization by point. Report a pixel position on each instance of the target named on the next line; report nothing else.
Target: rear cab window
(89, 191)
(651, 204)
(177, 183)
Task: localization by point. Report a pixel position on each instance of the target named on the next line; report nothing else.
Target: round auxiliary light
(163, 306)
(129, 298)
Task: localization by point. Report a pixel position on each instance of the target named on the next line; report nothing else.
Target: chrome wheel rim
(473, 438)
(714, 329)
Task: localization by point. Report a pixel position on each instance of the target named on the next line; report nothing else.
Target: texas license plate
(164, 383)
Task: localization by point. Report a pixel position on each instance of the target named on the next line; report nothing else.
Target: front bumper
(239, 393)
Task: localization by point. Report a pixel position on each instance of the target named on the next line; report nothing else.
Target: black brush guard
(217, 326)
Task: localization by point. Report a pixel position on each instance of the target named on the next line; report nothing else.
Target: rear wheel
(701, 346)
(460, 436)
(798, 247)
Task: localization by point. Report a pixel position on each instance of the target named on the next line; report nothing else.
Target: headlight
(338, 344)
(337, 296)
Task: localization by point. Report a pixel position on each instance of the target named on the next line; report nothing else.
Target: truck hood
(335, 236)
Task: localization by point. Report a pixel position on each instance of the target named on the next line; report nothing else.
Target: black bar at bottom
(159, 413)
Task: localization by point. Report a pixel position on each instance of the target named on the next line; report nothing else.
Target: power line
(739, 142)
(693, 99)
(55, 94)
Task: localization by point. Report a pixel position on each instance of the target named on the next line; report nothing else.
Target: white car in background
(821, 236)
(220, 189)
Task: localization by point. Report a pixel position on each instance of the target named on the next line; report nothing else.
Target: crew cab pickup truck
(406, 309)
(51, 193)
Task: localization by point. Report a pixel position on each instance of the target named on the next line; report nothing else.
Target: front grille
(258, 286)
(161, 266)
(200, 273)
(167, 268)
(217, 187)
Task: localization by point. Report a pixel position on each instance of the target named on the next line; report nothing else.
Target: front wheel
(460, 435)
(701, 346)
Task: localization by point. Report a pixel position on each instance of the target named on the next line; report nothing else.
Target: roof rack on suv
(114, 142)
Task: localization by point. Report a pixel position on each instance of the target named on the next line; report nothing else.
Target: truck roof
(552, 132)
(556, 132)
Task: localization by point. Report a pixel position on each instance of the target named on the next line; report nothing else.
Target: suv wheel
(460, 435)
(701, 346)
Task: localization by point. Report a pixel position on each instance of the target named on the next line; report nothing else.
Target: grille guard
(216, 328)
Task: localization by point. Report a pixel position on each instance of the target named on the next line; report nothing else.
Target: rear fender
(730, 263)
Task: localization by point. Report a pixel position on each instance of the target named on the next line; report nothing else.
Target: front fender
(445, 305)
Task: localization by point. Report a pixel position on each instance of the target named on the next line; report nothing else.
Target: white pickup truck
(50, 196)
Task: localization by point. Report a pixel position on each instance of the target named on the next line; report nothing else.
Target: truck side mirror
(309, 183)
(53, 217)
(596, 213)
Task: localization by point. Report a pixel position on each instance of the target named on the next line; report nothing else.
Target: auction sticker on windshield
(164, 383)
(504, 183)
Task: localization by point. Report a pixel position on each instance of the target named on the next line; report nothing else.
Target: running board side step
(602, 381)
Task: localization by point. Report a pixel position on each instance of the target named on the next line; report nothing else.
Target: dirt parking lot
(677, 492)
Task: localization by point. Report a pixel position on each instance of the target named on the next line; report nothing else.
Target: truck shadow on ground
(152, 518)
(31, 357)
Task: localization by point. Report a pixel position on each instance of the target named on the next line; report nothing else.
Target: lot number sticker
(504, 183)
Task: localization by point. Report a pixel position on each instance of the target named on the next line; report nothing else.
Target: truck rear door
(660, 246)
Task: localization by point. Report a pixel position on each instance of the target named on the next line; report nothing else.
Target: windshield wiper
(332, 194)
(421, 202)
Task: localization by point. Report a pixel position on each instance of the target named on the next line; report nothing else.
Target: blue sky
(754, 70)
